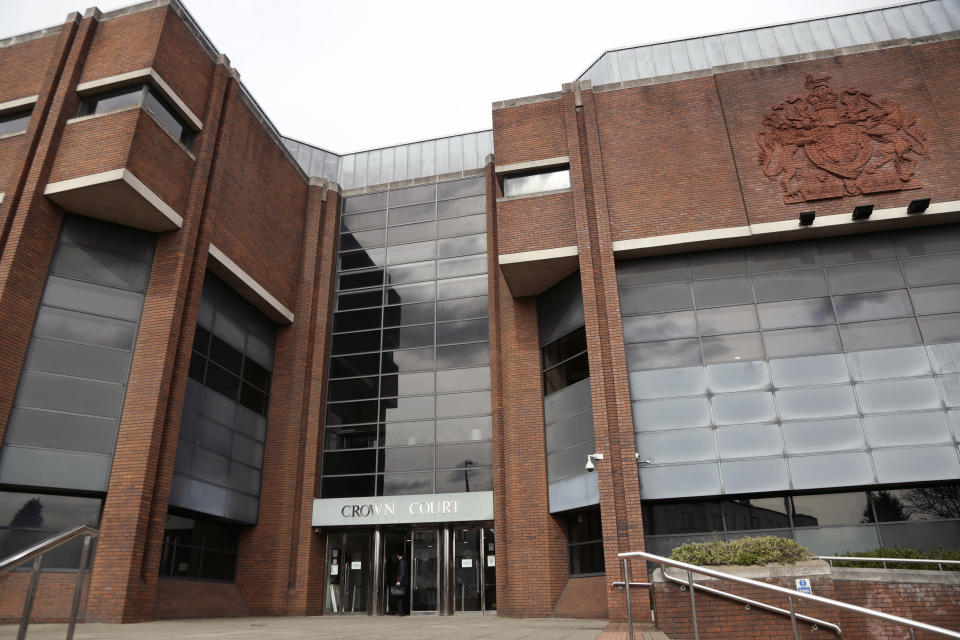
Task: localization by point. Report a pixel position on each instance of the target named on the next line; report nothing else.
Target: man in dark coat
(403, 577)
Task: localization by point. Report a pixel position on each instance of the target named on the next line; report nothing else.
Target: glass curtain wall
(408, 401)
(796, 367)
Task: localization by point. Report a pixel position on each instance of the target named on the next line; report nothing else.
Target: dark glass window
(14, 122)
(548, 180)
(140, 95)
(198, 548)
(565, 361)
(585, 539)
(28, 518)
(228, 372)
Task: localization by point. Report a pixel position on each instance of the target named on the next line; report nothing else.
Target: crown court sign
(413, 509)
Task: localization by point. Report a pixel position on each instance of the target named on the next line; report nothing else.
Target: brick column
(280, 567)
(30, 222)
(125, 570)
(532, 563)
(613, 425)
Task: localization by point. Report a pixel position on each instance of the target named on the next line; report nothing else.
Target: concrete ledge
(786, 230)
(532, 272)
(515, 167)
(133, 77)
(246, 286)
(524, 196)
(14, 105)
(115, 196)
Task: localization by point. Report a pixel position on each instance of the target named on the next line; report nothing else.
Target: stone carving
(828, 145)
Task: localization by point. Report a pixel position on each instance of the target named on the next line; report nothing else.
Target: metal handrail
(36, 553)
(912, 625)
(816, 622)
(884, 561)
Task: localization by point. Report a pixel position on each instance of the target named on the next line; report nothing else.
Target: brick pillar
(125, 570)
(280, 566)
(532, 563)
(613, 424)
(30, 222)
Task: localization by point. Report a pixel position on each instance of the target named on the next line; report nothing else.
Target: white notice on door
(466, 563)
(334, 569)
(491, 561)
(355, 565)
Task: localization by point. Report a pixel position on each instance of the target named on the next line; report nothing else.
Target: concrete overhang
(532, 272)
(244, 284)
(115, 196)
(839, 224)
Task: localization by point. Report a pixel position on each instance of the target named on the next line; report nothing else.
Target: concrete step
(641, 631)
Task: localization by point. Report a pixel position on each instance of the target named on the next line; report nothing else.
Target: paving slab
(330, 628)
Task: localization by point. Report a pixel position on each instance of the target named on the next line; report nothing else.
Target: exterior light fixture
(590, 458)
(862, 212)
(806, 218)
(918, 206)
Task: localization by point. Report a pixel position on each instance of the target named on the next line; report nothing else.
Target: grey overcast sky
(361, 74)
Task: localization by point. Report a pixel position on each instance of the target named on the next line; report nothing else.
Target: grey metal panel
(567, 401)
(697, 52)
(679, 56)
(952, 9)
(840, 31)
(859, 30)
(644, 62)
(714, 49)
(803, 36)
(917, 21)
(732, 49)
(767, 40)
(627, 62)
(560, 309)
(822, 37)
(877, 24)
(785, 40)
(750, 45)
(574, 493)
(897, 22)
(54, 468)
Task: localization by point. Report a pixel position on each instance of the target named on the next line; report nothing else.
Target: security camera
(590, 458)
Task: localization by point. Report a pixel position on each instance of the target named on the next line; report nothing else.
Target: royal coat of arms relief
(828, 145)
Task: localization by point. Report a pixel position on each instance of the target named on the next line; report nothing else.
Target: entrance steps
(641, 631)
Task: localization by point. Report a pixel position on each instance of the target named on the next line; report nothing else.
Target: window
(28, 518)
(565, 361)
(585, 540)
(15, 121)
(538, 182)
(198, 548)
(229, 372)
(140, 95)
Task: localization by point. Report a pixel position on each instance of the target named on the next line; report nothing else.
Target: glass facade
(27, 518)
(585, 542)
(220, 451)
(408, 401)
(796, 367)
(198, 548)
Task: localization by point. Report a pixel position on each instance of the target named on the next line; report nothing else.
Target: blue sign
(803, 586)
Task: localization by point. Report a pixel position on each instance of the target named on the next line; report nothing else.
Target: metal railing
(35, 553)
(911, 625)
(884, 561)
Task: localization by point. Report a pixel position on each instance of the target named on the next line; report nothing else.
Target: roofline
(744, 29)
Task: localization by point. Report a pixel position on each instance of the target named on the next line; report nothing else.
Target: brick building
(727, 269)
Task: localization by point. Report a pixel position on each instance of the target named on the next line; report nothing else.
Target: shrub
(743, 551)
(902, 552)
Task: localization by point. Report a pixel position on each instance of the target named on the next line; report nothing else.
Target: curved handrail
(884, 561)
(912, 625)
(46, 545)
(753, 603)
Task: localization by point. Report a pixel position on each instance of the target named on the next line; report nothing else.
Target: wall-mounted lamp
(590, 458)
(806, 218)
(918, 206)
(862, 212)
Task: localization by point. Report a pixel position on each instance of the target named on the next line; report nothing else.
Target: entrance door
(489, 571)
(467, 571)
(348, 573)
(424, 570)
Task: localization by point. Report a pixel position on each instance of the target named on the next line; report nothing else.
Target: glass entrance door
(424, 570)
(467, 571)
(348, 573)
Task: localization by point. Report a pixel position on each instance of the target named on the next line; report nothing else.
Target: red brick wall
(529, 132)
(24, 66)
(583, 597)
(941, 77)
(531, 224)
(666, 159)
(159, 162)
(895, 74)
(721, 619)
(53, 600)
(198, 599)
(259, 202)
(125, 43)
(184, 64)
(11, 157)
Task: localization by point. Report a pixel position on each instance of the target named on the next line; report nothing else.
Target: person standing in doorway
(403, 577)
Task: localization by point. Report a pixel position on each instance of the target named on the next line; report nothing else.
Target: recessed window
(565, 361)
(539, 182)
(199, 548)
(145, 96)
(15, 121)
(585, 540)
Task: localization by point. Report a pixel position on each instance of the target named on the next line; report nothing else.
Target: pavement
(332, 628)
